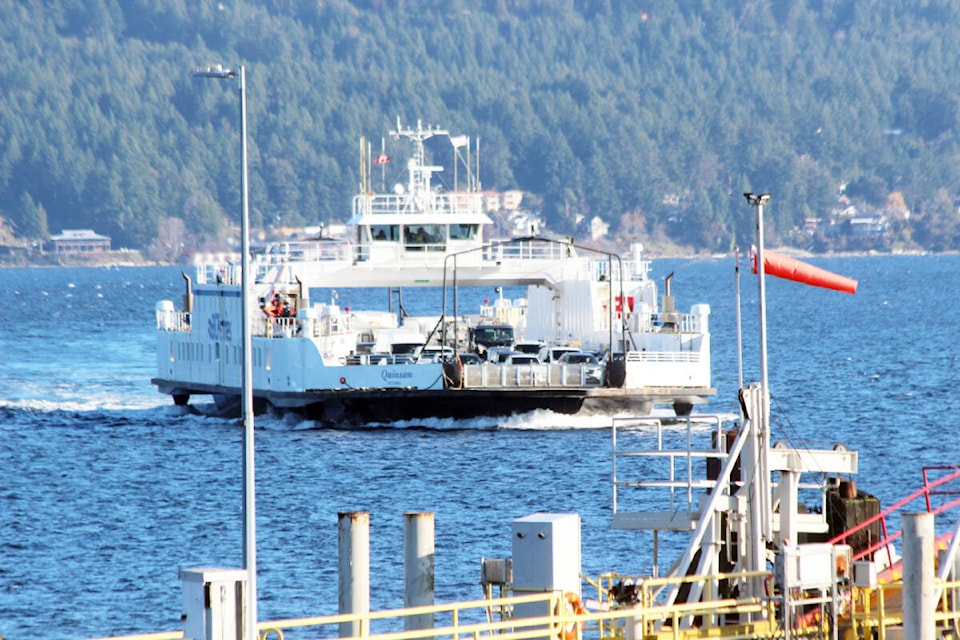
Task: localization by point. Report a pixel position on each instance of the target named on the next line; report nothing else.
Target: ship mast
(420, 172)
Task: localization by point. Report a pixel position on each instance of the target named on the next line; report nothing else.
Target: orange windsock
(790, 269)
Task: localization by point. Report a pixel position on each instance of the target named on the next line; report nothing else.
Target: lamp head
(757, 200)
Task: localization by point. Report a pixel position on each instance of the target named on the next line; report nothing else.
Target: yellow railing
(871, 612)
(874, 610)
(454, 620)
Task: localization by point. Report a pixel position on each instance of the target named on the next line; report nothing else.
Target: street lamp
(249, 495)
(760, 496)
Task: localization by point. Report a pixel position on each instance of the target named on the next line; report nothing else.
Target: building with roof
(72, 241)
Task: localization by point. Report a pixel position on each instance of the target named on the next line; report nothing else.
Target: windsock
(782, 266)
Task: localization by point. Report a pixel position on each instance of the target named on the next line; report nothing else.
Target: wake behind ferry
(591, 334)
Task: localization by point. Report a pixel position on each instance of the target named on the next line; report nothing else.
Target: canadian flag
(381, 159)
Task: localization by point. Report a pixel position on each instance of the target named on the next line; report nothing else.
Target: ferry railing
(305, 251)
(309, 327)
(417, 203)
(654, 323)
(663, 356)
(632, 270)
(489, 375)
(521, 250)
(223, 272)
(380, 359)
(176, 321)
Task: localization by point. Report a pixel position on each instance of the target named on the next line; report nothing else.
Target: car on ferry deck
(593, 368)
(554, 353)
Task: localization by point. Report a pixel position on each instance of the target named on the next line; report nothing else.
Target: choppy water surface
(108, 489)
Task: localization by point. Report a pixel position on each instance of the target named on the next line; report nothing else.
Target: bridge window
(425, 237)
(464, 231)
(385, 232)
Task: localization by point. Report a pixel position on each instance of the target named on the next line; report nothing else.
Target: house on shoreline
(72, 241)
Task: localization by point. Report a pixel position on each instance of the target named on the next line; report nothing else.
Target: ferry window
(216, 351)
(268, 365)
(464, 231)
(385, 232)
(423, 234)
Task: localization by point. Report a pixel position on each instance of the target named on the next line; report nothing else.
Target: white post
(418, 558)
(249, 483)
(354, 568)
(752, 471)
(763, 432)
(919, 604)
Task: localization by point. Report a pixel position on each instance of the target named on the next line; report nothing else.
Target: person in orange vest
(273, 307)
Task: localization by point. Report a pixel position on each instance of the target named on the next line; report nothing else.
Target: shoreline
(136, 259)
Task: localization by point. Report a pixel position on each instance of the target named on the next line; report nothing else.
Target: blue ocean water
(108, 489)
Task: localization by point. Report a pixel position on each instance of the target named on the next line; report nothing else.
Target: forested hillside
(655, 116)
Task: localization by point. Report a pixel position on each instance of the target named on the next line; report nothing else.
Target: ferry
(337, 364)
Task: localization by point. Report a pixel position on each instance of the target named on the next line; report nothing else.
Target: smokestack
(666, 306)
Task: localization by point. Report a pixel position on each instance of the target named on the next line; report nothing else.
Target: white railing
(177, 321)
(664, 356)
(418, 203)
(682, 467)
(485, 376)
(321, 327)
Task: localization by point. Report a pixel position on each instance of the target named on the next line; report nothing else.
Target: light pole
(759, 201)
(249, 491)
(761, 526)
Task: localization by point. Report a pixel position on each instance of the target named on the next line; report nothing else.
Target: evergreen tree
(31, 219)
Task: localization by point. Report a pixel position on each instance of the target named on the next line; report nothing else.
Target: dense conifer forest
(653, 116)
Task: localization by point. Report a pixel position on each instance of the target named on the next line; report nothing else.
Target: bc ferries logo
(218, 329)
(395, 377)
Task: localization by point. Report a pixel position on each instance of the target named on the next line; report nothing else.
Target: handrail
(886, 541)
(557, 619)
(685, 455)
(870, 609)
